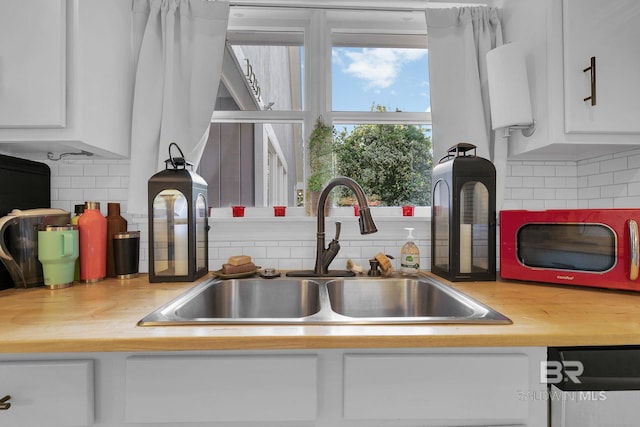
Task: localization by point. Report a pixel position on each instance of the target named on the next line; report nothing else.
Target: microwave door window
(575, 247)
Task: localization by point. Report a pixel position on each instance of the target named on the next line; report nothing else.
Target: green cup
(57, 252)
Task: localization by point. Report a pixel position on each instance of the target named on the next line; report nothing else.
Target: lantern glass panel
(201, 232)
(171, 233)
(474, 227)
(441, 236)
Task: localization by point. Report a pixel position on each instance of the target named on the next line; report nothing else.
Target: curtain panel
(459, 39)
(178, 47)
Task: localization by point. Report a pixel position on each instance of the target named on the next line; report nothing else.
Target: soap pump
(409, 256)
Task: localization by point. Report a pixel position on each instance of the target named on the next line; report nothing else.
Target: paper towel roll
(508, 86)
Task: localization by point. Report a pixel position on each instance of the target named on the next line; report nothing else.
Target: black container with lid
(126, 252)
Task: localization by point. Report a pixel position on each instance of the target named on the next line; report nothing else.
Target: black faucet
(324, 256)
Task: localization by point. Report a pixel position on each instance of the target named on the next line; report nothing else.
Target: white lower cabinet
(47, 393)
(437, 387)
(221, 388)
(405, 387)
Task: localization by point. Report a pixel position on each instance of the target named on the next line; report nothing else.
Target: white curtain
(459, 39)
(178, 47)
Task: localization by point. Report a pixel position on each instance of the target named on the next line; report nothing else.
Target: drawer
(47, 393)
(436, 387)
(221, 388)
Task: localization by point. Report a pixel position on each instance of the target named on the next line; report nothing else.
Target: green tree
(392, 162)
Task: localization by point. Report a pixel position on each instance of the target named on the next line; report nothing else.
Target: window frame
(318, 30)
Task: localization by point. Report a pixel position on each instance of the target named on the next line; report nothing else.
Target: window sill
(298, 213)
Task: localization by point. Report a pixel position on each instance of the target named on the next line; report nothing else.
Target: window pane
(253, 164)
(392, 162)
(270, 76)
(363, 77)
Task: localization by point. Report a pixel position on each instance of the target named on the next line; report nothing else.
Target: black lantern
(463, 220)
(178, 227)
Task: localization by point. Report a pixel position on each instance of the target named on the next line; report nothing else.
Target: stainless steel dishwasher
(594, 386)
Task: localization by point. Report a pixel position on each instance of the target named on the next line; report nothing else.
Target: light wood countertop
(103, 317)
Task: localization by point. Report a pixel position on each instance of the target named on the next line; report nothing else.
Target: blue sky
(395, 78)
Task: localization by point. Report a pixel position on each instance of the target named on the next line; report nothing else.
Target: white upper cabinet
(66, 76)
(32, 63)
(608, 32)
(559, 38)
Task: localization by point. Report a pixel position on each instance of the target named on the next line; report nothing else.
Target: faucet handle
(338, 227)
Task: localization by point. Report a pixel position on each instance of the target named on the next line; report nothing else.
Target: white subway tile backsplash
(511, 205)
(627, 202)
(617, 190)
(74, 195)
(533, 205)
(522, 193)
(544, 193)
(633, 189)
(627, 176)
(96, 194)
(514, 181)
(588, 193)
(617, 164)
(585, 169)
(599, 159)
(533, 181)
(58, 182)
(555, 182)
(556, 204)
(120, 169)
(567, 194)
(602, 182)
(544, 170)
(108, 182)
(96, 169)
(603, 203)
(83, 182)
(522, 170)
(572, 182)
(566, 170)
(119, 195)
(600, 179)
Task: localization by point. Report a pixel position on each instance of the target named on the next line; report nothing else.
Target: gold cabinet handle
(592, 68)
(634, 250)
(4, 403)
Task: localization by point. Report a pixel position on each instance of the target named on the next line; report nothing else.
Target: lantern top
(177, 162)
(458, 150)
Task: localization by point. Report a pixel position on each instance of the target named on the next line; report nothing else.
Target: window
(285, 67)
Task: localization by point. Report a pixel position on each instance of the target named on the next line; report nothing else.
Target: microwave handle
(634, 250)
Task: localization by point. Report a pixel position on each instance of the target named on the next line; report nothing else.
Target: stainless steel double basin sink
(299, 301)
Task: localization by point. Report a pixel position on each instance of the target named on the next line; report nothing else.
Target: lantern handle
(171, 157)
(179, 161)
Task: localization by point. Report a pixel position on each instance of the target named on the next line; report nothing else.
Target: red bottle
(92, 227)
(115, 224)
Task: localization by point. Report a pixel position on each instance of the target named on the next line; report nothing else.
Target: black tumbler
(126, 251)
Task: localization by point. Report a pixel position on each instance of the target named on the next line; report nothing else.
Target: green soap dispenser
(409, 256)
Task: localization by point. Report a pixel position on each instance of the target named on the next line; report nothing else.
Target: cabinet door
(220, 388)
(32, 63)
(459, 388)
(47, 393)
(608, 31)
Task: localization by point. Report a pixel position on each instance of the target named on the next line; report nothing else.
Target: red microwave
(586, 247)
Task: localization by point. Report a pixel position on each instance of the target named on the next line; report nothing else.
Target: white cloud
(377, 67)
